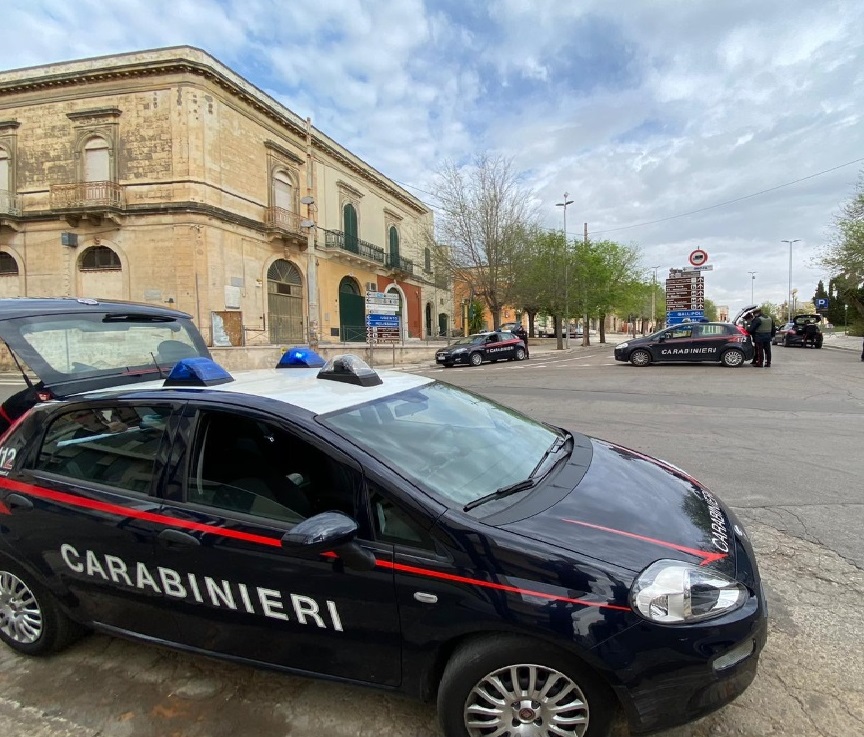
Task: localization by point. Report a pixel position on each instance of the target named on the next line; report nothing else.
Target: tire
(732, 358)
(640, 358)
(520, 354)
(475, 359)
(473, 666)
(31, 622)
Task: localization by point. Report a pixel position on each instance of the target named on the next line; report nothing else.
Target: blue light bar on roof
(351, 370)
(198, 371)
(300, 357)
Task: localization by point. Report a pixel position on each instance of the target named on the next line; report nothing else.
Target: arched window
(348, 286)
(8, 265)
(97, 160)
(283, 191)
(394, 246)
(99, 258)
(283, 277)
(349, 227)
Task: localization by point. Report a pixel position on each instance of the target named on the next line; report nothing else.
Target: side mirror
(325, 532)
(318, 534)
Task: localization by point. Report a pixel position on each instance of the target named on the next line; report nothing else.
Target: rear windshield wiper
(501, 493)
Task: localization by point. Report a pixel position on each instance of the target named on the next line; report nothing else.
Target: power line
(680, 215)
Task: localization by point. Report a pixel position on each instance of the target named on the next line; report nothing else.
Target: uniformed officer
(762, 329)
(520, 333)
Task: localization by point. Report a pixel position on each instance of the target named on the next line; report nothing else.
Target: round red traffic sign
(698, 257)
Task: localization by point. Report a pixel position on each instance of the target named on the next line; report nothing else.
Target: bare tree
(483, 216)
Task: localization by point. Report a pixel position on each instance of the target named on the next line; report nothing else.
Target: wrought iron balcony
(351, 244)
(278, 218)
(400, 263)
(87, 195)
(8, 203)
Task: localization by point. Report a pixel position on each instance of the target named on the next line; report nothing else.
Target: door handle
(16, 501)
(171, 537)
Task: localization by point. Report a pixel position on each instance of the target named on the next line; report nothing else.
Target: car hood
(630, 510)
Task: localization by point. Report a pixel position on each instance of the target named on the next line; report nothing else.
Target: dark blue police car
(316, 518)
(495, 345)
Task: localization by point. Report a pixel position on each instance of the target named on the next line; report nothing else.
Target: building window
(427, 260)
(394, 245)
(98, 258)
(8, 265)
(97, 160)
(283, 191)
(6, 193)
(349, 226)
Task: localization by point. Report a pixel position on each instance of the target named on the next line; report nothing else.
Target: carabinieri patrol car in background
(475, 349)
(324, 519)
(689, 342)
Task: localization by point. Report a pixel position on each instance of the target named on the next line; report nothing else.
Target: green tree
(710, 310)
(843, 255)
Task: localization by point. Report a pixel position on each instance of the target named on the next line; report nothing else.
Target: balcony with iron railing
(400, 263)
(352, 245)
(87, 195)
(8, 203)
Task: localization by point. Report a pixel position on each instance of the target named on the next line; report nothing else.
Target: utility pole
(311, 263)
(654, 297)
(752, 282)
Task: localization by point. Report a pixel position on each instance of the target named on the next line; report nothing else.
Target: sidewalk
(842, 341)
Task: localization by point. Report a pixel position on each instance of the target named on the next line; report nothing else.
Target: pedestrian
(520, 333)
(762, 328)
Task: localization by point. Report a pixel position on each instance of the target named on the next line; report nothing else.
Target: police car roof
(298, 387)
(14, 307)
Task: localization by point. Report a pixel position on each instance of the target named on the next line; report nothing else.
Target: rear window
(59, 347)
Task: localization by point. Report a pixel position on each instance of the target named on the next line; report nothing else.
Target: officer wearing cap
(762, 329)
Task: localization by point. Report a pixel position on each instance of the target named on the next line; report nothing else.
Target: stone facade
(172, 180)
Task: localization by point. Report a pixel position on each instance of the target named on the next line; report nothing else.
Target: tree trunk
(602, 327)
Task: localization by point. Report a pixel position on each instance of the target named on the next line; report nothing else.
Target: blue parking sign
(822, 303)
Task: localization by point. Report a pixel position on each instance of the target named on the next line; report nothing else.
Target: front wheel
(476, 359)
(520, 354)
(514, 686)
(733, 357)
(31, 622)
(640, 358)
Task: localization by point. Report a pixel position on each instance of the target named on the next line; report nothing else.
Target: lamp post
(566, 296)
(654, 297)
(846, 319)
(752, 282)
(789, 295)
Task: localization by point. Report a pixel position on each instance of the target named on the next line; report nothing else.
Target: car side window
(114, 446)
(680, 332)
(392, 524)
(711, 331)
(243, 464)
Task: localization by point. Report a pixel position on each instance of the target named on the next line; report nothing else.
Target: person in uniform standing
(762, 329)
(520, 333)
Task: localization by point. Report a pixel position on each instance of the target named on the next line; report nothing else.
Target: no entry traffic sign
(698, 257)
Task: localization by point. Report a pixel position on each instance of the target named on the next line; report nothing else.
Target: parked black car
(475, 349)
(689, 342)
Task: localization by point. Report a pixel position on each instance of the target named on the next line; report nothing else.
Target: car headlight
(672, 592)
(459, 350)
(623, 345)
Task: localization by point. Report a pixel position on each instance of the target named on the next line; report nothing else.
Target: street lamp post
(654, 297)
(752, 283)
(789, 294)
(566, 298)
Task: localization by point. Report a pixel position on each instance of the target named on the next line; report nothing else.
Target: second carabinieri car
(690, 342)
(475, 349)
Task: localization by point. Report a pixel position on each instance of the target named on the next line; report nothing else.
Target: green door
(349, 226)
(352, 312)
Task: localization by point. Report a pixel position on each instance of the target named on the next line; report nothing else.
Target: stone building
(164, 177)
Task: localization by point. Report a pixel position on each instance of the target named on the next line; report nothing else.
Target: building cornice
(282, 151)
(156, 66)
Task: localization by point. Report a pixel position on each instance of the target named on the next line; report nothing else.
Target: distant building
(164, 177)
(723, 313)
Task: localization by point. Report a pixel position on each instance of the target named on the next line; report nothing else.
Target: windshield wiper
(557, 444)
(501, 493)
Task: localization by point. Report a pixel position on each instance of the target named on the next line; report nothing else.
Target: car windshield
(447, 440)
(67, 347)
(470, 340)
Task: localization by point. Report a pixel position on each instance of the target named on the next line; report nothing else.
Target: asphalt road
(781, 445)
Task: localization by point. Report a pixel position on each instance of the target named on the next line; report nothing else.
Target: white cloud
(641, 111)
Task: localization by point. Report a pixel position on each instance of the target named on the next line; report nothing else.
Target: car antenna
(18, 364)
(158, 367)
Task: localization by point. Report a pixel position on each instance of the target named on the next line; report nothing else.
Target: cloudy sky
(672, 124)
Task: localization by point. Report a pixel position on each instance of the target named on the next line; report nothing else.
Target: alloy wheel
(20, 613)
(526, 701)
